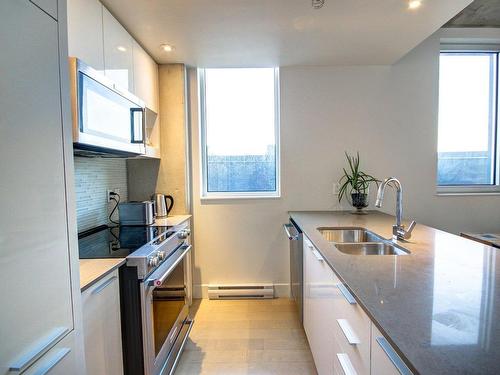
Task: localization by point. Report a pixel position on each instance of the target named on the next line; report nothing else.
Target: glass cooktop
(116, 242)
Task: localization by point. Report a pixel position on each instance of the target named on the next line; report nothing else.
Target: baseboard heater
(241, 291)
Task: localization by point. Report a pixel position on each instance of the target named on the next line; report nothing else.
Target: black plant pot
(359, 200)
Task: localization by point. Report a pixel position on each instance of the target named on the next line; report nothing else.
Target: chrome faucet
(398, 231)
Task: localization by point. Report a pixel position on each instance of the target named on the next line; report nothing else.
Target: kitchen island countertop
(439, 306)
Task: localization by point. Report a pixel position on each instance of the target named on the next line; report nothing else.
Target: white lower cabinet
(320, 293)
(342, 338)
(102, 326)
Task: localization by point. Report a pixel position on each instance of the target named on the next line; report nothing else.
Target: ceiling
(249, 33)
(481, 13)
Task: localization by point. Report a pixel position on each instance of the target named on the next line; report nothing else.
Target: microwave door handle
(157, 281)
(133, 118)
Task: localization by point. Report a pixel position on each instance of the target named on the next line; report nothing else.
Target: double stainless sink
(360, 241)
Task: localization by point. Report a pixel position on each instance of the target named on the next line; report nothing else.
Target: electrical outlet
(109, 191)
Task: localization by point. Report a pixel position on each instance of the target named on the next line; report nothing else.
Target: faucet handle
(407, 232)
(399, 232)
(411, 227)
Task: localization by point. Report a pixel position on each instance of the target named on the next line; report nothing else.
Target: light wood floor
(246, 337)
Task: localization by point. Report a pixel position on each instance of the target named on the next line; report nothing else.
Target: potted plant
(355, 184)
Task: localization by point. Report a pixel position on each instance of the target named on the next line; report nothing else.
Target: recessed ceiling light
(414, 4)
(121, 49)
(167, 47)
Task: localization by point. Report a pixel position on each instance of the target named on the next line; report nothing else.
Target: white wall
(388, 113)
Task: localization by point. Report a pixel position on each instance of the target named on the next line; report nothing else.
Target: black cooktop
(115, 242)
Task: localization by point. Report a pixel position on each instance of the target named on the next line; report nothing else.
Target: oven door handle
(157, 281)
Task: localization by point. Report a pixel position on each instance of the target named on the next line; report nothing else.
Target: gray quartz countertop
(439, 306)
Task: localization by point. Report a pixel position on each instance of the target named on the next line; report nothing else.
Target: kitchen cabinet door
(118, 52)
(147, 88)
(321, 291)
(145, 77)
(35, 281)
(102, 327)
(85, 37)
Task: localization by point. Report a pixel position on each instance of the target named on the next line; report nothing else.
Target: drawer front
(319, 291)
(352, 332)
(60, 360)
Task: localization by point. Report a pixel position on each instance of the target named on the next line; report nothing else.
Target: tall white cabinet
(39, 324)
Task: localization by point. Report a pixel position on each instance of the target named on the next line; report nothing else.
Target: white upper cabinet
(118, 52)
(145, 77)
(146, 88)
(85, 32)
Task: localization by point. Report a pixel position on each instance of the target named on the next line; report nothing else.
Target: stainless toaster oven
(136, 213)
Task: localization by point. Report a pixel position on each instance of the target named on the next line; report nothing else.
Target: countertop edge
(99, 275)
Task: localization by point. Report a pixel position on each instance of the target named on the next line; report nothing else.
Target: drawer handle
(27, 360)
(393, 356)
(348, 296)
(58, 356)
(103, 286)
(346, 364)
(348, 332)
(318, 255)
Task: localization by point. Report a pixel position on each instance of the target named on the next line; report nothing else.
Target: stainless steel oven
(154, 291)
(164, 310)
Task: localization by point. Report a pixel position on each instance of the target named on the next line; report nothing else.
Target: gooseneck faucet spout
(398, 230)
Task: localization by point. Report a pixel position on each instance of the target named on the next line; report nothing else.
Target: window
(468, 122)
(239, 132)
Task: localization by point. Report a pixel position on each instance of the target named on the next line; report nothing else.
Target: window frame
(204, 193)
(487, 189)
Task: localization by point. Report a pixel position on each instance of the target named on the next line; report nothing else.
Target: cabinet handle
(348, 332)
(393, 356)
(348, 296)
(58, 356)
(346, 364)
(27, 360)
(317, 255)
(294, 237)
(101, 287)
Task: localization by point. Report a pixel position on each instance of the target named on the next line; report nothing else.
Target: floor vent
(242, 291)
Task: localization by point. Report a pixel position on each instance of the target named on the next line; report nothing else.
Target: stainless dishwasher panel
(294, 235)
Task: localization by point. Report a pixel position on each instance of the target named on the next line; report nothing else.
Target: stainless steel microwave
(106, 119)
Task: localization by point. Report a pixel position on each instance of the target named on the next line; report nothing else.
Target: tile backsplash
(93, 177)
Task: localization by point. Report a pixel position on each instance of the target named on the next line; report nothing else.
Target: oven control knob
(183, 234)
(153, 261)
(161, 255)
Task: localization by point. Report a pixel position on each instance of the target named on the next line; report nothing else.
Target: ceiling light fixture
(316, 4)
(414, 4)
(121, 49)
(167, 47)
